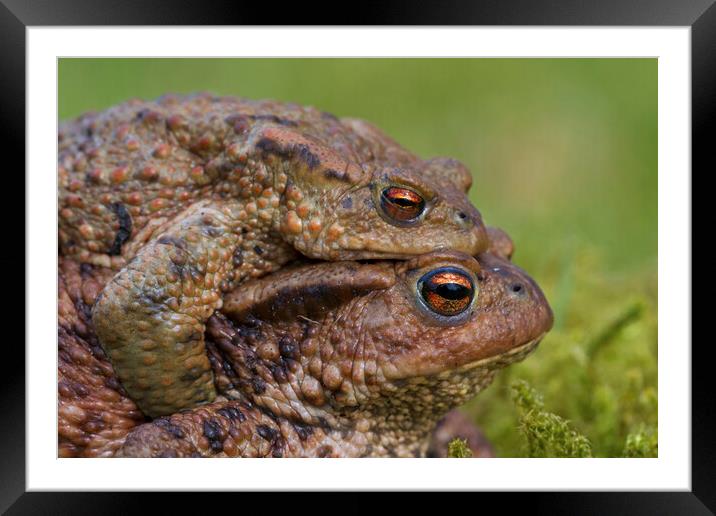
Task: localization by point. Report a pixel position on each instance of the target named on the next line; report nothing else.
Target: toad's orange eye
(446, 291)
(401, 204)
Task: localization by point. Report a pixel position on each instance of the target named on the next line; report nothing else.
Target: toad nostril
(463, 218)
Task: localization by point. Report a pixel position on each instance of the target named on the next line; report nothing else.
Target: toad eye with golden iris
(446, 291)
(401, 204)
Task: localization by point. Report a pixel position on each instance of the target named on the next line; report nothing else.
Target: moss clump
(642, 443)
(458, 449)
(547, 434)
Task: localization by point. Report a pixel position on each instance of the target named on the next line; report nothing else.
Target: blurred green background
(564, 158)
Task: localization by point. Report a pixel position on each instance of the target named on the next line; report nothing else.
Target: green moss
(643, 443)
(458, 449)
(547, 434)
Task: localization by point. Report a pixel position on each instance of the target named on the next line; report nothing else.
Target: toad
(352, 359)
(187, 197)
(95, 414)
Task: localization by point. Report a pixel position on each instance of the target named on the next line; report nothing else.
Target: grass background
(564, 158)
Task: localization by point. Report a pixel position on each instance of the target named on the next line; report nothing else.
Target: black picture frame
(16, 15)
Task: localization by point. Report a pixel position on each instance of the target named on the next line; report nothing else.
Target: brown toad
(188, 196)
(94, 412)
(353, 360)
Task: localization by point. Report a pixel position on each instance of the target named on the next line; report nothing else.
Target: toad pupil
(447, 292)
(402, 204)
(452, 291)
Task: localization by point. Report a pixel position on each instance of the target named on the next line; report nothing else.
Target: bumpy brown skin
(94, 412)
(343, 360)
(189, 196)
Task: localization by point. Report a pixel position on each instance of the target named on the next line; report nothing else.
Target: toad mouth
(513, 355)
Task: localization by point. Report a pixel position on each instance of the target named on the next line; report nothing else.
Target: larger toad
(188, 196)
(94, 412)
(353, 360)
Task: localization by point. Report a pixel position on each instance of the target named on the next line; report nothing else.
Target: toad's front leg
(150, 316)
